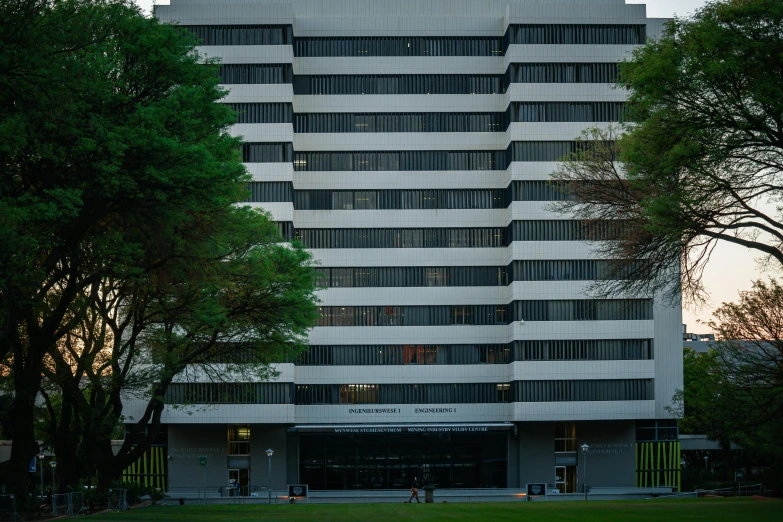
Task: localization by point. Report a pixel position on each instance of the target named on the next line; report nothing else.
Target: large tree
(701, 159)
(114, 157)
(733, 393)
(749, 358)
(232, 302)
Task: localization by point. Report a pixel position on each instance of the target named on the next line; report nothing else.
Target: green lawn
(654, 510)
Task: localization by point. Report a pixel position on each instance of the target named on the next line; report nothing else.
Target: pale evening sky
(732, 268)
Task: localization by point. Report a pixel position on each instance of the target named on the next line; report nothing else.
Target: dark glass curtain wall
(330, 461)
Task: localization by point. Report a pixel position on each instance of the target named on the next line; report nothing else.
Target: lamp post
(706, 462)
(53, 465)
(269, 454)
(585, 449)
(41, 458)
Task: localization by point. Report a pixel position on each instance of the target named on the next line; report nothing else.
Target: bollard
(429, 494)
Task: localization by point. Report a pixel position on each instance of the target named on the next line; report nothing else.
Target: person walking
(414, 491)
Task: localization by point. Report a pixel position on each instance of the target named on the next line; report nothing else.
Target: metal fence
(738, 490)
(8, 508)
(68, 504)
(117, 499)
(223, 495)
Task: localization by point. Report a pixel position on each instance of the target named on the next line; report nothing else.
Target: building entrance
(239, 480)
(391, 460)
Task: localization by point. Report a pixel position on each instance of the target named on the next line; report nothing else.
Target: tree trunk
(106, 464)
(66, 444)
(24, 447)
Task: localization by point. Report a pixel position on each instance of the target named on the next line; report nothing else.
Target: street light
(41, 458)
(585, 449)
(706, 461)
(53, 465)
(269, 454)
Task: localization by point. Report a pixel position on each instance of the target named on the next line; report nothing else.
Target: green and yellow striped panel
(658, 464)
(149, 470)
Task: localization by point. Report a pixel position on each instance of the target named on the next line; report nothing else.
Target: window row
(481, 393)
(400, 122)
(414, 199)
(537, 190)
(584, 391)
(368, 355)
(600, 72)
(230, 393)
(400, 84)
(573, 270)
(256, 73)
(583, 310)
(496, 237)
(412, 160)
(445, 315)
(428, 121)
(461, 393)
(271, 191)
(457, 393)
(411, 276)
(419, 83)
(400, 199)
(242, 34)
(413, 315)
(633, 34)
(555, 350)
(263, 112)
(286, 229)
(584, 350)
(544, 150)
(564, 230)
(402, 238)
(398, 46)
(420, 276)
(267, 152)
(419, 45)
(565, 111)
(400, 160)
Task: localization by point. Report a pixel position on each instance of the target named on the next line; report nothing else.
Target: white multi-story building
(408, 144)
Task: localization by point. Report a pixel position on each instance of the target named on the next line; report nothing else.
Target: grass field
(626, 511)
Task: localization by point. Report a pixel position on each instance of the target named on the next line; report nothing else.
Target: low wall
(388, 496)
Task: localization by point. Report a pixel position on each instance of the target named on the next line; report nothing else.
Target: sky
(732, 268)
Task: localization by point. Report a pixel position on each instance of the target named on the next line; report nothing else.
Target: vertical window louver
(263, 112)
(267, 152)
(256, 73)
(581, 34)
(242, 34)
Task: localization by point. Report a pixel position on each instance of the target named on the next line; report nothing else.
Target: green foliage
(750, 358)
(703, 401)
(702, 158)
(133, 491)
(156, 495)
(30, 505)
(119, 193)
(734, 392)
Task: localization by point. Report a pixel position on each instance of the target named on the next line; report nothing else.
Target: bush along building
(408, 145)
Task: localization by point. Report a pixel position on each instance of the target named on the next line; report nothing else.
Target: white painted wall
(435, 17)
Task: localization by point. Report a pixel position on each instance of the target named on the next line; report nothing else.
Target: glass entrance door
(565, 479)
(560, 478)
(240, 477)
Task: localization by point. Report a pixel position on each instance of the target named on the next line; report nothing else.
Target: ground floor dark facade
(391, 460)
(623, 453)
